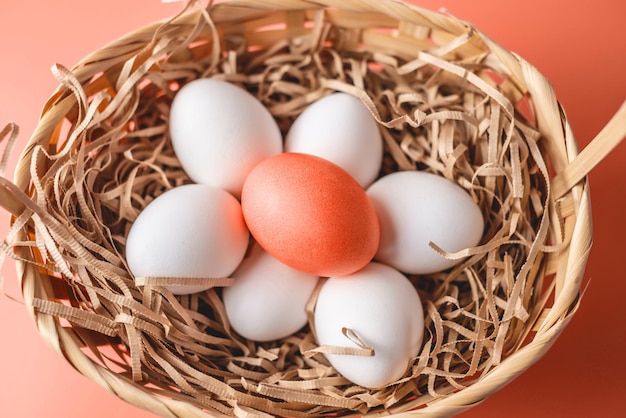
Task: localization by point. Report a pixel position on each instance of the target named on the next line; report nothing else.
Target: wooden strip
(607, 139)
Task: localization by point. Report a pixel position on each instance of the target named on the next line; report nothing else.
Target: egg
(383, 309)
(310, 214)
(415, 208)
(340, 128)
(267, 300)
(219, 132)
(193, 231)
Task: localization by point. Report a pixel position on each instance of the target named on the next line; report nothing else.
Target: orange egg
(310, 214)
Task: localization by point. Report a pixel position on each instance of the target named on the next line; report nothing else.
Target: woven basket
(448, 100)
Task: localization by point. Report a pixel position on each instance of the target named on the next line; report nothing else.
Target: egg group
(276, 218)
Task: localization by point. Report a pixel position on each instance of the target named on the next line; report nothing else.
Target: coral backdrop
(580, 46)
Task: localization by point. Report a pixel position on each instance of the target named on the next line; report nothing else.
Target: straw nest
(448, 100)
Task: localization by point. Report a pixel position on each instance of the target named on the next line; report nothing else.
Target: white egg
(219, 132)
(415, 208)
(268, 298)
(383, 309)
(340, 129)
(193, 230)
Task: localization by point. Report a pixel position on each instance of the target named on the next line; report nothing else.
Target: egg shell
(383, 308)
(193, 230)
(219, 132)
(340, 128)
(415, 208)
(310, 214)
(267, 300)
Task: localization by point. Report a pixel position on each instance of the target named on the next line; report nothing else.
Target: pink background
(580, 46)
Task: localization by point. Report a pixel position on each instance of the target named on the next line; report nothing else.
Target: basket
(448, 100)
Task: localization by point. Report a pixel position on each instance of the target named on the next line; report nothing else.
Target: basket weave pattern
(448, 100)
